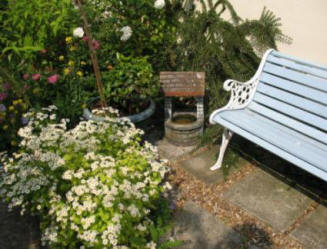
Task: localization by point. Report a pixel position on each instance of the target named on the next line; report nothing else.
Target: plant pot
(135, 118)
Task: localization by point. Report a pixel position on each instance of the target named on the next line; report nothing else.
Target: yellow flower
(83, 63)
(15, 102)
(13, 143)
(84, 106)
(11, 108)
(69, 39)
(79, 73)
(72, 48)
(61, 58)
(66, 71)
(5, 127)
(71, 63)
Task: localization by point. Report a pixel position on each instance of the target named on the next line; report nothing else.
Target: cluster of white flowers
(91, 178)
(127, 33)
(159, 4)
(78, 32)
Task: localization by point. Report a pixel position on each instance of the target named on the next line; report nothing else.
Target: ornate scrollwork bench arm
(241, 95)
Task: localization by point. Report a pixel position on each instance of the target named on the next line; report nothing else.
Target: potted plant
(129, 86)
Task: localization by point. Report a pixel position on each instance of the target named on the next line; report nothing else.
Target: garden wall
(303, 20)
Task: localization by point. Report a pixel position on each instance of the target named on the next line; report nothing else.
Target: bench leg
(227, 135)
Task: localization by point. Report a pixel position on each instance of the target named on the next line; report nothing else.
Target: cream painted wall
(303, 20)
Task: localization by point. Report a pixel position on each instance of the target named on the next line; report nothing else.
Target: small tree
(223, 48)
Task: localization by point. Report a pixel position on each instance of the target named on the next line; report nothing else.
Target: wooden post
(93, 55)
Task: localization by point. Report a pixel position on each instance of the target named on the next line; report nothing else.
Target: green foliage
(31, 41)
(222, 48)
(29, 26)
(130, 82)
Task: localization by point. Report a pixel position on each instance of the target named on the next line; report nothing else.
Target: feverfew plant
(94, 186)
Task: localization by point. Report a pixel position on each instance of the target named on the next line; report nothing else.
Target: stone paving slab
(199, 163)
(170, 151)
(313, 231)
(268, 199)
(199, 166)
(201, 230)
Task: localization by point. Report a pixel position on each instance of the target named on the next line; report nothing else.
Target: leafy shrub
(130, 82)
(30, 26)
(93, 186)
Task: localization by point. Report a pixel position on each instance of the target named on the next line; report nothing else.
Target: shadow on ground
(198, 229)
(253, 237)
(292, 175)
(16, 231)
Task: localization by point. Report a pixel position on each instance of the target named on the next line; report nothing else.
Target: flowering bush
(11, 110)
(135, 28)
(93, 186)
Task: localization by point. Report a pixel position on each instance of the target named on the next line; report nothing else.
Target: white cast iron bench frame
(282, 108)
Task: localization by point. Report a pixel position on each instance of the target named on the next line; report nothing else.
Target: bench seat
(283, 109)
(289, 144)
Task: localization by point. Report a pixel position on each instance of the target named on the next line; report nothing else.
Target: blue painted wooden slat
(272, 148)
(258, 117)
(270, 132)
(306, 92)
(298, 66)
(301, 78)
(293, 99)
(298, 60)
(289, 122)
(291, 111)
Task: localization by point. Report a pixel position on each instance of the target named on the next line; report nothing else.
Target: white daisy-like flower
(127, 33)
(78, 32)
(159, 4)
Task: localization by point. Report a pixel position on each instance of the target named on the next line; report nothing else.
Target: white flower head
(159, 4)
(78, 32)
(127, 33)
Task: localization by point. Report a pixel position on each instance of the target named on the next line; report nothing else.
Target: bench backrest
(294, 93)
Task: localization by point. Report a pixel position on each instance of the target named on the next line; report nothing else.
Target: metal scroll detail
(241, 93)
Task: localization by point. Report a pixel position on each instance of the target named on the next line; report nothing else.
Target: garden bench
(282, 108)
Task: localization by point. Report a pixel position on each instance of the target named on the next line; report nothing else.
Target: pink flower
(3, 96)
(26, 76)
(95, 44)
(53, 79)
(6, 86)
(36, 76)
(85, 39)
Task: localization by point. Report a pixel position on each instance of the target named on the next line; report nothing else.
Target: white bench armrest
(241, 92)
